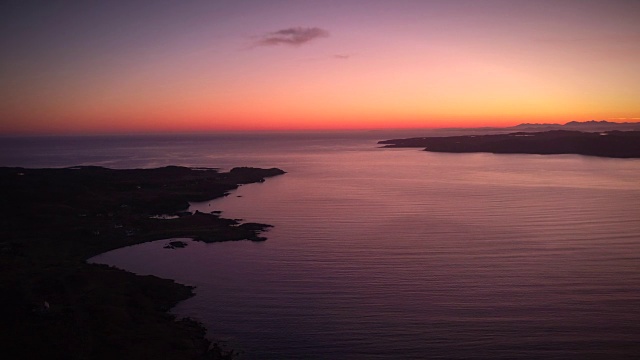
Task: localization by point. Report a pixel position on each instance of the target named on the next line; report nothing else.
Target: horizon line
(289, 131)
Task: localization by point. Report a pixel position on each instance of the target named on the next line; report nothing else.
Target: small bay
(400, 253)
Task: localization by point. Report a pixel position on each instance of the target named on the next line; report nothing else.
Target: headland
(614, 144)
(56, 305)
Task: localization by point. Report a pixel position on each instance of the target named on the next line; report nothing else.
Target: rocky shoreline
(614, 144)
(56, 305)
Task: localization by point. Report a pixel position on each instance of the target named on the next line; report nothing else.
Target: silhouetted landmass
(588, 126)
(56, 306)
(616, 144)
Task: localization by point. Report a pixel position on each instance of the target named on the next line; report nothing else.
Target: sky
(86, 67)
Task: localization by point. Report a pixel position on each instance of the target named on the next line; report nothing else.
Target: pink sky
(287, 65)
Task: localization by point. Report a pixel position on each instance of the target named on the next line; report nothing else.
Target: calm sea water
(400, 253)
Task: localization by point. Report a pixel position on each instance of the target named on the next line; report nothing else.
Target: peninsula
(615, 144)
(56, 305)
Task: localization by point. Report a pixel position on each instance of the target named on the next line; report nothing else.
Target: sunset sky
(154, 66)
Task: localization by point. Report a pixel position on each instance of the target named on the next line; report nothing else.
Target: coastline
(53, 220)
(612, 144)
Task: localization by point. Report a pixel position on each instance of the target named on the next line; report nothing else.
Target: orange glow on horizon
(193, 125)
(406, 65)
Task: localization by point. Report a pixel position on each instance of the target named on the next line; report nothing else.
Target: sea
(394, 253)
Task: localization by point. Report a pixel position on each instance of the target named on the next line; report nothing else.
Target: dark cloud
(342, 56)
(294, 36)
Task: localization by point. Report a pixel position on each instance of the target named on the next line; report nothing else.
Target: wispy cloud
(294, 36)
(342, 56)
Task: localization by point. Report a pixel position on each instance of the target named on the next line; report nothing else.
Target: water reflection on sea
(399, 253)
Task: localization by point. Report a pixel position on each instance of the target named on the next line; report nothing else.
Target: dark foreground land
(56, 306)
(615, 144)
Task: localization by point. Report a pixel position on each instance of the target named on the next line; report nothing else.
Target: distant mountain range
(592, 125)
(588, 126)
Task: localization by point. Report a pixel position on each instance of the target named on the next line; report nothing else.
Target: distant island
(614, 144)
(58, 306)
(589, 126)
